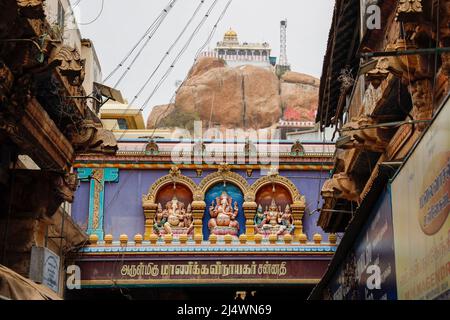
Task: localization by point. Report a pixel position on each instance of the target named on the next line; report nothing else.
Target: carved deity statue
(273, 220)
(260, 217)
(174, 219)
(223, 215)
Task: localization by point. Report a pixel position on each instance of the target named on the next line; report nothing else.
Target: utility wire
(180, 54)
(166, 10)
(97, 17)
(168, 51)
(211, 35)
(123, 183)
(129, 105)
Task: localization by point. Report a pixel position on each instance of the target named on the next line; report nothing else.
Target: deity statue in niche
(223, 213)
(273, 220)
(175, 219)
(260, 217)
(160, 219)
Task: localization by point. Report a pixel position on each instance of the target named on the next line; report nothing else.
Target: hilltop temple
(236, 53)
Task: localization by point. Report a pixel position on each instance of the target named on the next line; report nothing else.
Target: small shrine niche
(273, 214)
(223, 215)
(174, 213)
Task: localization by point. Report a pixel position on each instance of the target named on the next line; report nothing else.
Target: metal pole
(387, 124)
(405, 52)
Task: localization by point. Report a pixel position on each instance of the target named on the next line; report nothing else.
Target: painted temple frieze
(223, 204)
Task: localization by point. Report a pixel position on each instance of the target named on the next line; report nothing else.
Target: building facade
(199, 217)
(237, 54)
(386, 90)
(45, 120)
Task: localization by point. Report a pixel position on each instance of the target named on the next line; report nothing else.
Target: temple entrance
(223, 294)
(223, 213)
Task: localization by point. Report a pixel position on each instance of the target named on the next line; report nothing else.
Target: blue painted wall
(123, 211)
(216, 191)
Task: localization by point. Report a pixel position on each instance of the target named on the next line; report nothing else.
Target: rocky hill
(240, 97)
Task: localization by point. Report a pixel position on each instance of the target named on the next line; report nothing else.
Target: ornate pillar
(249, 213)
(298, 210)
(198, 209)
(149, 213)
(97, 179)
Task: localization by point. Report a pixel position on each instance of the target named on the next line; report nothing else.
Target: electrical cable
(123, 183)
(211, 34)
(180, 54)
(168, 52)
(160, 83)
(150, 36)
(169, 6)
(97, 17)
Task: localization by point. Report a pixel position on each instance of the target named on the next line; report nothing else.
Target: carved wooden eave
(38, 194)
(74, 236)
(6, 82)
(408, 10)
(385, 67)
(69, 63)
(38, 136)
(443, 81)
(357, 135)
(405, 67)
(341, 186)
(33, 9)
(345, 159)
(91, 137)
(328, 194)
(69, 70)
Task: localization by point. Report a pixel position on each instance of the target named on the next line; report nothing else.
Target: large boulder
(299, 96)
(246, 97)
(205, 64)
(159, 113)
(243, 97)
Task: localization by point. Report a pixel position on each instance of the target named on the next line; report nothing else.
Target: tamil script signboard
(44, 267)
(421, 205)
(368, 271)
(145, 270)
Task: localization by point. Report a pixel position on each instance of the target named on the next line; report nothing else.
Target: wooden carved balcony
(361, 134)
(39, 76)
(341, 186)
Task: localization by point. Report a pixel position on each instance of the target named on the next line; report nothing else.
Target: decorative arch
(174, 176)
(277, 179)
(223, 174)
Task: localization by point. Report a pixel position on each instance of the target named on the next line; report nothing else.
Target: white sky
(123, 22)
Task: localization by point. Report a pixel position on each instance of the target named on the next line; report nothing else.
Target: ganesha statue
(223, 216)
(174, 219)
(273, 220)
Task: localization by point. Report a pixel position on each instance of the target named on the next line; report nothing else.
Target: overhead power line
(180, 54)
(168, 52)
(151, 30)
(199, 51)
(96, 18)
(211, 34)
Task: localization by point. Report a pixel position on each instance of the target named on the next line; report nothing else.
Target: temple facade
(236, 53)
(46, 73)
(193, 215)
